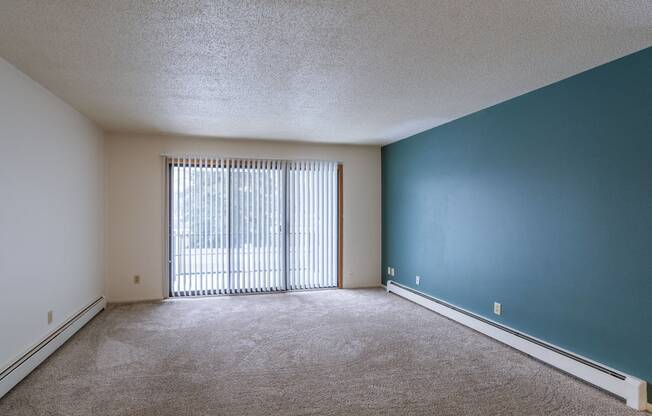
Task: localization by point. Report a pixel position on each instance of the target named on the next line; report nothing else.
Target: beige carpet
(335, 352)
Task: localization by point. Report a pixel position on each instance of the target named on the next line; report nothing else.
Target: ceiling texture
(355, 71)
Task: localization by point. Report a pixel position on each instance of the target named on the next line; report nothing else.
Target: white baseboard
(633, 390)
(24, 365)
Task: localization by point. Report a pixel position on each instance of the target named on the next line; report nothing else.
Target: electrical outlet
(418, 280)
(136, 279)
(50, 317)
(389, 271)
(498, 308)
(393, 272)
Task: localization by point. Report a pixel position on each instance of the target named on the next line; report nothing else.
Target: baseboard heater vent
(24, 365)
(633, 390)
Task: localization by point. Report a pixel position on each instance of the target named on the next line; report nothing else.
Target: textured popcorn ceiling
(331, 71)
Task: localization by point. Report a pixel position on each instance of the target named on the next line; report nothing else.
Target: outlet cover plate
(498, 308)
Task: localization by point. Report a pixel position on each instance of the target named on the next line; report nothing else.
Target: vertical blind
(312, 234)
(241, 226)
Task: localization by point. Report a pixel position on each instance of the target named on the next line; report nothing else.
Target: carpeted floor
(334, 352)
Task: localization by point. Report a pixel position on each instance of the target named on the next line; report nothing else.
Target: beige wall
(51, 212)
(135, 207)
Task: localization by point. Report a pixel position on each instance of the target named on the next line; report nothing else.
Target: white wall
(51, 212)
(135, 206)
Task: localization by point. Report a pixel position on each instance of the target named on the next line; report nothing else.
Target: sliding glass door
(242, 226)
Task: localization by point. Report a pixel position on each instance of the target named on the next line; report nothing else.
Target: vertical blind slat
(283, 224)
(204, 247)
(238, 236)
(325, 223)
(202, 209)
(270, 242)
(298, 219)
(276, 225)
(175, 226)
(292, 229)
(258, 229)
(313, 217)
(220, 196)
(253, 221)
(320, 223)
(183, 229)
(219, 231)
(202, 239)
(305, 272)
(250, 234)
(226, 230)
(266, 225)
(280, 229)
(306, 228)
(193, 235)
(311, 223)
(186, 228)
(254, 227)
(235, 220)
(249, 205)
(211, 226)
(186, 217)
(199, 276)
(331, 269)
(245, 228)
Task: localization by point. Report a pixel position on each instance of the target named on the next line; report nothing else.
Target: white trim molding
(20, 368)
(632, 389)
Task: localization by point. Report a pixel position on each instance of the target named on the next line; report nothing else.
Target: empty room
(288, 207)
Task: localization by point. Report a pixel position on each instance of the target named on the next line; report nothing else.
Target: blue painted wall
(542, 203)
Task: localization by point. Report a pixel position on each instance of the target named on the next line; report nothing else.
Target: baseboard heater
(24, 365)
(633, 390)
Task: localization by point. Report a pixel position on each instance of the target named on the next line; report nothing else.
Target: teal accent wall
(542, 203)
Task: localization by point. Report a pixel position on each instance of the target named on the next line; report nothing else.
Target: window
(241, 226)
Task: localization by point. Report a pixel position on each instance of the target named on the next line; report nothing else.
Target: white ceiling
(350, 71)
